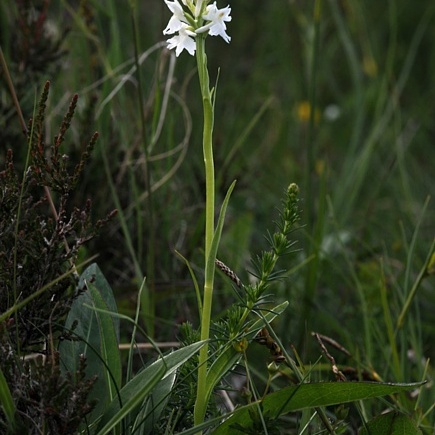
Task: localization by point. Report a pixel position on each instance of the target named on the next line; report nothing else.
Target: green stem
(207, 143)
(149, 300)
(311, 136)
(201, 402)
(313, 247)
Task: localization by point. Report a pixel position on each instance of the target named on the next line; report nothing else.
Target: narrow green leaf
(392, 423)
(7, 402)
(218, 232)
(134, 332)
(220, 367)
(267, 317)
(313, 395)
(415, 287)
(195, 282)
(135, 391)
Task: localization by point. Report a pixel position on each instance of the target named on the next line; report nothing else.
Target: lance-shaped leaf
(304, 396)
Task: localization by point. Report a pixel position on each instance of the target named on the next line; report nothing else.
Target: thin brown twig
(149, 346)
(12, 91)
(334, 343)
(338, 374)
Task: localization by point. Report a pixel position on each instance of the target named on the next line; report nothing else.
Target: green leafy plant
(246, 359)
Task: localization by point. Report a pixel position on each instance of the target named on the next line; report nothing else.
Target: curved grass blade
(195, 283)
(218, 232)
(7, 402)
(142, 384)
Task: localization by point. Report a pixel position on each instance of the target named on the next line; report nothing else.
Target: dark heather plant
(41, 234)
(46, 400)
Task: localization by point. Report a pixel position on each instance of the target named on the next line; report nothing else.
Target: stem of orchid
(200, 404)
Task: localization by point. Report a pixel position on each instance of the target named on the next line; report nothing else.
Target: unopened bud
(293, 189)
(240, 345)
(273, 368)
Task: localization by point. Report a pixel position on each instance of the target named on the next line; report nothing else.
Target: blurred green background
(341, 102)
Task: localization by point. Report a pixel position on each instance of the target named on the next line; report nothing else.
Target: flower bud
(273, 368)
(240, 345)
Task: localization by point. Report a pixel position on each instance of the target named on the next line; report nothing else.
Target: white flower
(184, 21)
(183, 41)
(217, 18)
(177, 20)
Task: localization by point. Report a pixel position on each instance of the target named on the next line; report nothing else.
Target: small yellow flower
(370, 66)
(320, 167)
(241, 345)
(303, 112)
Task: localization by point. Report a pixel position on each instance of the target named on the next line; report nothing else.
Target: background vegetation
(339, 99)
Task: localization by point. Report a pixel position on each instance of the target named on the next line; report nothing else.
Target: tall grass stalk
(311, 133)
(356, 75)
(149, 296)
(389, 324)
(315, 224)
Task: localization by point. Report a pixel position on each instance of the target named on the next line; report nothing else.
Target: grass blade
(7, 402)
(135, 391)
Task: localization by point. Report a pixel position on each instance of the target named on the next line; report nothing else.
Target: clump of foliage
(41, 234)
